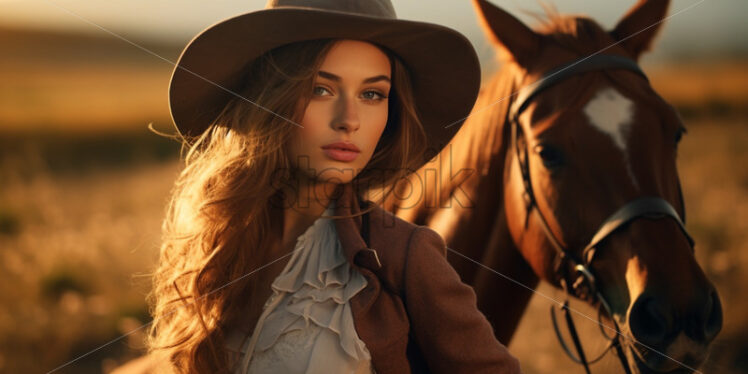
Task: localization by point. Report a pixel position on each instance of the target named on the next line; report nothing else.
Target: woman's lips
(340, 154)
(341, 151)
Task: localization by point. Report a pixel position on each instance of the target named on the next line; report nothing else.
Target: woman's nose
(346, 114)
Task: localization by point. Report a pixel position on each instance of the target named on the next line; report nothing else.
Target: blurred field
(83, 186)
(80, 83)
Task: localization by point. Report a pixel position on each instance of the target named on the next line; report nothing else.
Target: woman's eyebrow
(336, 78)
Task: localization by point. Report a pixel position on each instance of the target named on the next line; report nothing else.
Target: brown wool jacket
(415, 315)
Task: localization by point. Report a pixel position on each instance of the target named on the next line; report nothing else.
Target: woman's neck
(303, 204)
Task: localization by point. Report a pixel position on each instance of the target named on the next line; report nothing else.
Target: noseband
(573, 273)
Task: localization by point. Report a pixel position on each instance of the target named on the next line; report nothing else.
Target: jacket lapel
(367, 316)
(349, 229)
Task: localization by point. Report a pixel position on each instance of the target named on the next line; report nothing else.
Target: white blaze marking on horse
(612, 114)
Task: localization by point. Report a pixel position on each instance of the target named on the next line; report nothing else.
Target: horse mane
(577, 33)
(475, 147)
(480, 138)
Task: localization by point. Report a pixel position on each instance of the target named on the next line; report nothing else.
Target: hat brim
(442, 62)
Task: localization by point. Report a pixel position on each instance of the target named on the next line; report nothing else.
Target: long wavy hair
(217, 228)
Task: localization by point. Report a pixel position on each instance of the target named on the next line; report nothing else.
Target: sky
(695, 27)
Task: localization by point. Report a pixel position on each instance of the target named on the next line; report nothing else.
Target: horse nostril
(712, 317)
(650, 320)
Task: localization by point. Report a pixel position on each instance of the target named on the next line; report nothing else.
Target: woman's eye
(373, 95)
(321, 91)
(552, 157)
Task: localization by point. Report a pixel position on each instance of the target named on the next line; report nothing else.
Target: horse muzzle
(669, 337)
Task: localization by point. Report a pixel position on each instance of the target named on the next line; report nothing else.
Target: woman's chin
(334, 177)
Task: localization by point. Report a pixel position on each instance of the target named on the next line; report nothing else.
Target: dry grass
(75, 263)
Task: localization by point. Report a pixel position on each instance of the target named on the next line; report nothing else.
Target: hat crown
(214, 65)
(371, 8)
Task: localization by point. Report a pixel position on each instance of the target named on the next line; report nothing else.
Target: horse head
(591, 136)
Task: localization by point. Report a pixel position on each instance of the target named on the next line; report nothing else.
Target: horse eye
(552, 157)
(679, 135)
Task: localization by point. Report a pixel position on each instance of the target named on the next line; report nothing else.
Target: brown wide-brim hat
(444, 67)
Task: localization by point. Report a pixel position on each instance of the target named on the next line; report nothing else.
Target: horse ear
(640, 25)
(507, 32)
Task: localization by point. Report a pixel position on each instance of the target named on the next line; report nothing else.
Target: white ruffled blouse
(306, 325)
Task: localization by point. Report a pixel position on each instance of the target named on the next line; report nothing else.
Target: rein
(583, 283)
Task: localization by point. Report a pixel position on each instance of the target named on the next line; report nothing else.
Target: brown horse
(527, 206)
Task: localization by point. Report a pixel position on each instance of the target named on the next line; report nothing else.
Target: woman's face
(348, 108)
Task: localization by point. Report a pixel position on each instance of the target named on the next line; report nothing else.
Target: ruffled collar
(315, 287)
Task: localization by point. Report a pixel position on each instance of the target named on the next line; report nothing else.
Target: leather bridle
(580, 281)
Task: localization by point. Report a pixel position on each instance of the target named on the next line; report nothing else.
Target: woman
(272, 260)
